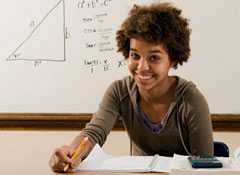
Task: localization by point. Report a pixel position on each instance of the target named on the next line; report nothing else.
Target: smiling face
(149, 64)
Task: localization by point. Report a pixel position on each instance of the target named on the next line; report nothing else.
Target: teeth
(145, 77)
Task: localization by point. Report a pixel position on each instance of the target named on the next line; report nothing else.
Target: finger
(56, 167)
(55, 164)
(60, 158)
(52, 161)
(61, 167)
(71, 167)
(76, 162)
(63, 155)
(68, 150)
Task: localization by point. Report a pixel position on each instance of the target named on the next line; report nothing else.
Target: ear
(173, 64)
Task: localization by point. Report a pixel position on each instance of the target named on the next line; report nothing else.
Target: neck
(160, 94)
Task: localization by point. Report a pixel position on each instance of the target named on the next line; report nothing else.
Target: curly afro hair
(159, 23)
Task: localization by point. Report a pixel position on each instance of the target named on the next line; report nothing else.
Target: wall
(28, 142)
(52, 50)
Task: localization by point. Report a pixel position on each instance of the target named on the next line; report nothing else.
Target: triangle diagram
(46, 42)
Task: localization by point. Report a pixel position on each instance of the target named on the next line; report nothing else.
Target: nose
(143, 64)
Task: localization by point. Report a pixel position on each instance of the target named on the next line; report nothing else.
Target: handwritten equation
(93, 3)
(104, 64)
(103, 33)
(99, 31)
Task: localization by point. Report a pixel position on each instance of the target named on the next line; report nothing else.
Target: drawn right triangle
(46, 42)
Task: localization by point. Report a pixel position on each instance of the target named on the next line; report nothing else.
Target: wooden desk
(28, 153)
(108, 173)
(29, 161)
(20, 164)
(40, 167)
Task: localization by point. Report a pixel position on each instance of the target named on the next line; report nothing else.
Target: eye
(134, 56)
(154, 58)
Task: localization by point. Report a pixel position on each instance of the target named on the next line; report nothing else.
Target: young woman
(162, 114)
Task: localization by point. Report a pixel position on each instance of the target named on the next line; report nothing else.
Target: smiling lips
(144, 79)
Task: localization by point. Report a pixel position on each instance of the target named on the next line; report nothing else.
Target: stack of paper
(98, 160)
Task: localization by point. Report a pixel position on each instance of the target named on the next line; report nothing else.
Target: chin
(146, 87)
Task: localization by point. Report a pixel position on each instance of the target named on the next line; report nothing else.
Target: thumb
(70, 152)
(76, 162)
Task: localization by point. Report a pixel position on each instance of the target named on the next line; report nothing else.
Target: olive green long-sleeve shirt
(190, 107)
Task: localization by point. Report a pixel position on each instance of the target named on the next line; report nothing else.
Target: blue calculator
(205, 162)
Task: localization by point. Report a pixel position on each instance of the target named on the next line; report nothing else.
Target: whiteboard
(59, 56)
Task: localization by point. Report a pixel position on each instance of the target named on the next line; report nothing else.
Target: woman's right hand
(61, 157)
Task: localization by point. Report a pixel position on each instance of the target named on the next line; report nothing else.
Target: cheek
(131, 65)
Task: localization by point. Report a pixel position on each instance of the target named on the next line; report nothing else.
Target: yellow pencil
(80, 149)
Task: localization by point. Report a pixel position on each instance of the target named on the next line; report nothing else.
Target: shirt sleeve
(104, 119)
(199, 125)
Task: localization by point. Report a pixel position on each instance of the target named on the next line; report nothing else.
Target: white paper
(163, 164)
(237, 154)
(98, 160)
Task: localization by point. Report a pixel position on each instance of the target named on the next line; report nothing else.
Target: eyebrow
(151, 51)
